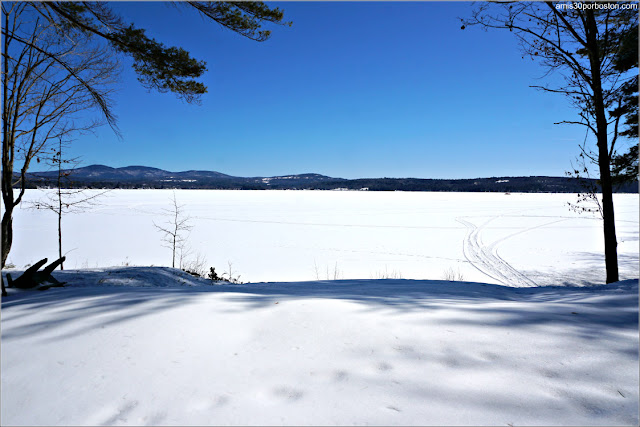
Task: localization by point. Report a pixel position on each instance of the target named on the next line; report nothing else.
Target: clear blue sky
(353, 89)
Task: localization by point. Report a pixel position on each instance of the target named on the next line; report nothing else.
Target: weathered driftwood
(32, 278)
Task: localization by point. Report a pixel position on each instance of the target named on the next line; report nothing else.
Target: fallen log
(32, 278)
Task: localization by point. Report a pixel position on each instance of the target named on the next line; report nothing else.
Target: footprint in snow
(288, 393)
(384, 366)
(123, 413)
(340, 376)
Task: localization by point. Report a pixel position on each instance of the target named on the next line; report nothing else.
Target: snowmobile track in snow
(486, 258)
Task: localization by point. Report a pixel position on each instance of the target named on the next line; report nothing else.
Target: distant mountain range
(147, 177)
(100, 176)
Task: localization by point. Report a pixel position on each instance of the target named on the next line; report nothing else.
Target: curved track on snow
(486, 259)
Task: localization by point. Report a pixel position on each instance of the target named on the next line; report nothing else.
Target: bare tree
(65, 199)
(57, 49)
(173, 233)
(51, 79)
(582, 44)
(588, 200)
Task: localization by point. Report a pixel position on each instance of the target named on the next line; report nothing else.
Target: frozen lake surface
(510, 239)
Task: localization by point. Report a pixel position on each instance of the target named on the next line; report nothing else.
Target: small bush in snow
(213, 276)
(224, 277)
(453, 276)
(387, 274)
(191, 272)
(196, 266)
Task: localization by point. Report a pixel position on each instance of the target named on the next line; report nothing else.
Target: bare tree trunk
(60, 227)
(7, 234)
(604, 161)
(610, 239)
(173, 259)
(177, 225)
(60, 206)
(175, 229)
(7, 238)
(6, 229)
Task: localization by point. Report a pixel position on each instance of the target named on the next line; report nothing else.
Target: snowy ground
(154, 346)
(515, 240)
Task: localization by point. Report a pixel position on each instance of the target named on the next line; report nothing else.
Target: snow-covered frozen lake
(130, 345)
(514, 239)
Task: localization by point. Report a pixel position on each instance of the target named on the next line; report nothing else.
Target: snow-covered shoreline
(154, 346)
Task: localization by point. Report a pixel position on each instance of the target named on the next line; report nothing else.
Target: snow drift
(155, 346)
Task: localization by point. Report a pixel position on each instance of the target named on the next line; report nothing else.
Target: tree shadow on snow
(603, 316)
(104, 297)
